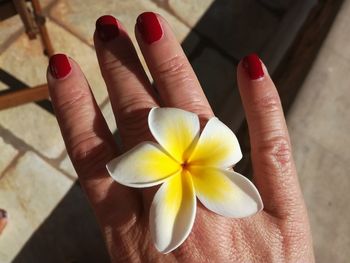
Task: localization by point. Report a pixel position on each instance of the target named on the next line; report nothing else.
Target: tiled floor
(37, 180)
(319, 124)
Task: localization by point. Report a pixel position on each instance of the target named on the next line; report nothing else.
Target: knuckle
(120, 66)
(196, 105)
(278, 152)
(89, 153)
(172, 65)
(134, 103)
(282, 151)
(269, 103)
(132, 117)
(175, 73)
(174, 69)
(73, 99)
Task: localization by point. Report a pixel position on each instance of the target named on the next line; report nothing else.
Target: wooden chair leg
(26, 17)
(40, 21)
(34, 23)
(22, 96)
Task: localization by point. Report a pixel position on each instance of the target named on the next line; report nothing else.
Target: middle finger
(174, 77)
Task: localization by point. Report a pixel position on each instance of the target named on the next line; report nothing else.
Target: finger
(88, 140)
(274, 171)
(174, 77)
(3, 219)
(129, 89)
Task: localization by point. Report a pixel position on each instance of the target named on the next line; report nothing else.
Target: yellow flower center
(185, 165)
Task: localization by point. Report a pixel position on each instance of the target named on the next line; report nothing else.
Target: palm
(279, 233)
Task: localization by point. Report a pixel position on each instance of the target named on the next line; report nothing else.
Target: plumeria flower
(188, 165)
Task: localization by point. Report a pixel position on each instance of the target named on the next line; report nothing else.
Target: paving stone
(69, 234)
(238, 27)
(9, 29)
(217, 75)
(324, 179)
(29, 192)
(187, 11)
(339, 36)
(33, 71)
(35, 127)
(276, 5)
(24, 60)
(8, 153)
(80, 15)
(319, 123)
(322, 107)
(67, 166)
(190, 44)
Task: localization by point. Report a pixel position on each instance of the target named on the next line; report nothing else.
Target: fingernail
(252, 64)
(148, 25)
(107, 28)
(59, 66)
(3, 214)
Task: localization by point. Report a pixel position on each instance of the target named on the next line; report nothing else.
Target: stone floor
(319, 124)
(50, 220)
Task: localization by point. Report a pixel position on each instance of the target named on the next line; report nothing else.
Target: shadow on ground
(70, 234)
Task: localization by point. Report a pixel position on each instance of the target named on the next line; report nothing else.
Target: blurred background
(304, 44)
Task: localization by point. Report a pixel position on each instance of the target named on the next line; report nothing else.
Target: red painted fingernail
(3, 213)
(107, 28)
(3, 219)
(253, 66)
(59, 66)
(148, 25)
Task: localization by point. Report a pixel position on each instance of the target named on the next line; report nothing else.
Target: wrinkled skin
(280, 233)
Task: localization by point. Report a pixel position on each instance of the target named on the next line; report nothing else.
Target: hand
(280, 233)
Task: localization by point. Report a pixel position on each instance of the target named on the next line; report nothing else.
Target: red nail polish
(107, 28)
(3, 213)
(59, 66)
(253, 66)
(148, 25)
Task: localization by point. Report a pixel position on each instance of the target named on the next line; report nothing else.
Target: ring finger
(129, 89)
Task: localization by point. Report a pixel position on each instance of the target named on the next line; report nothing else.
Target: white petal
(144, 165)
(217, 146)
(173, 212)
(175, 130)
(226, 192)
